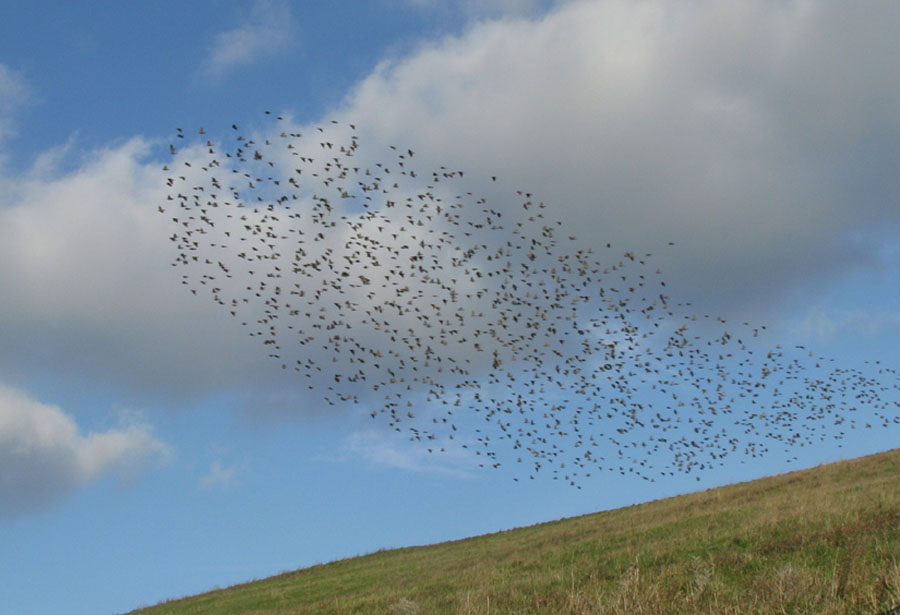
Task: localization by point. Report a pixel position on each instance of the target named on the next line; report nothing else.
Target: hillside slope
(823, 540)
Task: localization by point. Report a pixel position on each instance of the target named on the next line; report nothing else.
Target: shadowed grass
(824, 540)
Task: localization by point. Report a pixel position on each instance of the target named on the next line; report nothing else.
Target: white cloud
(13, 91)
(43, 455)
(381, 449)
(13, 94)
(743, 130)
(84, 264)
(758, 132)
(820, 324)
(219, 476)
(89, 293)
(489, 8)
(268, 31)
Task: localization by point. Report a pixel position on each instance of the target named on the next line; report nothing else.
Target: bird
(487, 327)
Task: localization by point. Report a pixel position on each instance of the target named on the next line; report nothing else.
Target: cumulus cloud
(88, 290)
(89, 293)
(763, 134)
(757, 136)
(268, 30)
(44, 456)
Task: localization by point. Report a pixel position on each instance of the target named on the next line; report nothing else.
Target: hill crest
(819, 540)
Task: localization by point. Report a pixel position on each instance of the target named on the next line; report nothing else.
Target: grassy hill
(824, 540)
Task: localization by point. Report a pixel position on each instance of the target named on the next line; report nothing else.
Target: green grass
(824, 540)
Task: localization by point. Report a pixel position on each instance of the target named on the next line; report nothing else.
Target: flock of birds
(485, 327)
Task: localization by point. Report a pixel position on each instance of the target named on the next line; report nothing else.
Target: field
(824, 540)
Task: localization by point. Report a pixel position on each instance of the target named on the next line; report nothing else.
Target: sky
(149, 448)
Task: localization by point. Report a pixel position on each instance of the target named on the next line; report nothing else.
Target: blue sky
(149, 450)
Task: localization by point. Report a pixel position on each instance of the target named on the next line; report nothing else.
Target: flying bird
(486, 326)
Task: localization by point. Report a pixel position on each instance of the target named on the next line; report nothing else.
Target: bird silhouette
(491, 328)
